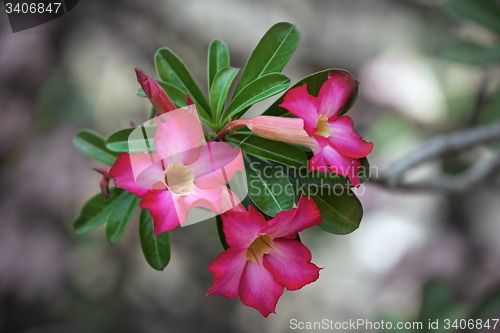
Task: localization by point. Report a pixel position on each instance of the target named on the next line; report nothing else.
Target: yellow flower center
(323, 127)
(262, 245)
(179, 179)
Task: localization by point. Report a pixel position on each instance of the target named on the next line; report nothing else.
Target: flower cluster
(188, 163)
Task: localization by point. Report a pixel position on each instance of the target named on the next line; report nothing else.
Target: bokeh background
(77, 71)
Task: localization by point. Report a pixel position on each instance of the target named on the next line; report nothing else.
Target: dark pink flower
(183, 173)
(264, 257)
(335, 145)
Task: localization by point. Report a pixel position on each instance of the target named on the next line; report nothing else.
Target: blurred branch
(480, 101)
(441, 146)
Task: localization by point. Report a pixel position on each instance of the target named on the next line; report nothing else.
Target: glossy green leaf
(156, 250)
(132, 140)
(470, 53)
(218, 92)
(172, 70)
(93, 144)
(176, 95)
(340, 209)
(220, 231)
(218, 58)
(436, 297)
(314, 83)
(96, 211)
(268, 186)
(258, 90)
(271, 53)
(120, 215)
(484, 12)
(268, 149)
(486, 309)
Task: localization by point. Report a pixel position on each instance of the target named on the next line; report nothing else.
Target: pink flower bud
(155, 92)
(104, 182)
(289, 130)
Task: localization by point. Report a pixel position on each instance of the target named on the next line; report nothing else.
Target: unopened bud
(155, 92)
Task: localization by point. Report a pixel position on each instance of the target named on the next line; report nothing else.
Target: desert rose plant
(298, 162)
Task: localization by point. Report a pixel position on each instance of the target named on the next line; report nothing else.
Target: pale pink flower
(183, 173)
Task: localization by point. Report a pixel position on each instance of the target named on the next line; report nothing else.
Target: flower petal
(335, 93)
(161, 206)
(330, 158)
(209, 199)
(348, 142)
(216, 165)
(227, 270)
(258, 288)
(300, 103)
(289, 222)
(128, 167)
(179, 138)
(229, 200)
(152, 177)
(290, 264)
(241, 229)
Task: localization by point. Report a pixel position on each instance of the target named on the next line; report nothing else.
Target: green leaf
(268, 149)
(436, 297)
(132, 140)
(271, 53)
(314, 83)
(156, 250)
(218, 92)
(218, 58)
(340, 209)
(93, 144)
(119, 216)
(487, 308)
(96, 211)
(258, 90)
(220, 231)
(484, 12)
(172, 70)
(176, 95)
(470, 53)
(437, 304)
(268, 187)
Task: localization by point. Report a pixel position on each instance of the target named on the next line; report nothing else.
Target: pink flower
(264, 257)
(335, 145)
(182, 174)
(155, 92)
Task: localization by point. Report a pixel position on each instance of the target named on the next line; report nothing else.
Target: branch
(452, 184)
(441, 146)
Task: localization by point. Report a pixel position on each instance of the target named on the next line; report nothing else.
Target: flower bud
(155, 92)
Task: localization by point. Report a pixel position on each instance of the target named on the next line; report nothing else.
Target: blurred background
(77, 71)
